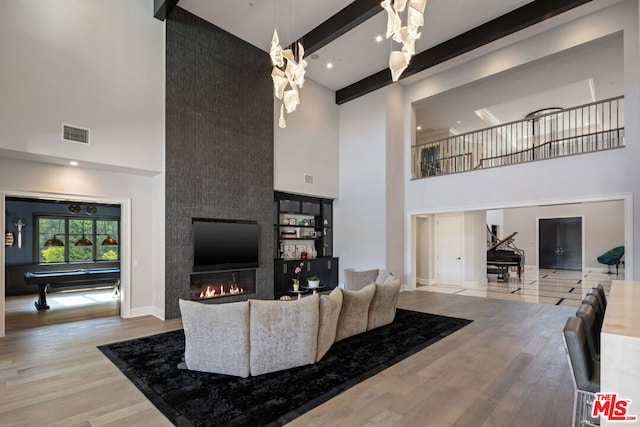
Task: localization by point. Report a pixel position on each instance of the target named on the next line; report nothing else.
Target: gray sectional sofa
(257, 337)
(355, 280)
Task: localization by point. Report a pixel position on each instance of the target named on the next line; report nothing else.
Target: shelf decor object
(20, 226)
(296, 280)
(289, 251)
(407, 35)
(8, 239)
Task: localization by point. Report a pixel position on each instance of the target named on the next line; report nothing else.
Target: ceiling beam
(345, 20)
(502, 26)
(162, 8)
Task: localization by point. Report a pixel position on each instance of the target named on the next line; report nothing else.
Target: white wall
(95, 64)
(369, 215)
(583, 177)
(603, 225)
(158, 248)
(394, 193)
(309, 144)
(360, 213)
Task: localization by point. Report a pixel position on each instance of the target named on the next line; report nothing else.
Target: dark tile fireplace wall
(219, 145)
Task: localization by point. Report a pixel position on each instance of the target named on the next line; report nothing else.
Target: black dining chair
(598, 296)
(593, 301)
(600, 290)
(587, 314)
(585, 372)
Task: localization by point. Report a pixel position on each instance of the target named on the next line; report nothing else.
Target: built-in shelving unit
(303, 233)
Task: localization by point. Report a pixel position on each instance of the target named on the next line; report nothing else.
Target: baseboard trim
(147, 311)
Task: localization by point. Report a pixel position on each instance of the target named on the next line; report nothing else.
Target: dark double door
(560, 243)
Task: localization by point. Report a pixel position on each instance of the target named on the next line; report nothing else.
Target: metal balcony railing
(584, 129)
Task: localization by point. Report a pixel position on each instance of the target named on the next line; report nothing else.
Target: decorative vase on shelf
(296, 285)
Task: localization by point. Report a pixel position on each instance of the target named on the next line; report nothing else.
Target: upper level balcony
(544, 134)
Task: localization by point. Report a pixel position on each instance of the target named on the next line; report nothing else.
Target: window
(68, 231)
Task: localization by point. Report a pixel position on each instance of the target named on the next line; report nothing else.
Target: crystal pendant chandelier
(287, 74)
(407, 35)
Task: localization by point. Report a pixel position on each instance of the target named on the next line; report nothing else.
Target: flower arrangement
(296, 281)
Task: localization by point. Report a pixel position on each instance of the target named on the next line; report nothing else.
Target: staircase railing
(584, 129)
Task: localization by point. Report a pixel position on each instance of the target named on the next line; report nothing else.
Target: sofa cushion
(356, 280)
(354, 315)
(386, 277)
(330, 306)
(208, 348)
(382, 310)
(283, 334)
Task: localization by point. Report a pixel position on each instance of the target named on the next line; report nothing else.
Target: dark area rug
(190, 398)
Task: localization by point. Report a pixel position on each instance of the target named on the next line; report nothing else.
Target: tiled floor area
(559, 287)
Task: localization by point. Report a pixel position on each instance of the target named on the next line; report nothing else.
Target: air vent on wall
(308, 179)
(75, 134)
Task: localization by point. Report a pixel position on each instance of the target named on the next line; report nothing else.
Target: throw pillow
(212, 333)
(330, 307)
(381, 277)
(283, 334)
(386, 277)
(354, 315)
(382, 310)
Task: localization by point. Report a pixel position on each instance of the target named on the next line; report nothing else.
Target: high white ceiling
(356, 54)
(568, 80)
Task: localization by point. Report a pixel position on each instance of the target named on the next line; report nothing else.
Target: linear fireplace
(222, 283)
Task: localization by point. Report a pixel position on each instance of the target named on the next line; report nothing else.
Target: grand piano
(502, 254)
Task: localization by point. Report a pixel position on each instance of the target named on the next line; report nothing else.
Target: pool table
(66, 278)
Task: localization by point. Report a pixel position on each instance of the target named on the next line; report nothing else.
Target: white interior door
(448, 249)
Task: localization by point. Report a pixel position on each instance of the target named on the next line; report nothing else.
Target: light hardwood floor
(507, 368)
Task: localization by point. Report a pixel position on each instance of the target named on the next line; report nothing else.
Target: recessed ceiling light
(418, 127)
(73, 163)
(329, 65)
(379, 38)
(459, 122)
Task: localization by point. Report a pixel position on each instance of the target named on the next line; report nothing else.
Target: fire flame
(210, 292)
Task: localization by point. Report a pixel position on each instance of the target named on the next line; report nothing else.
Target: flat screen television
(225, 244)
